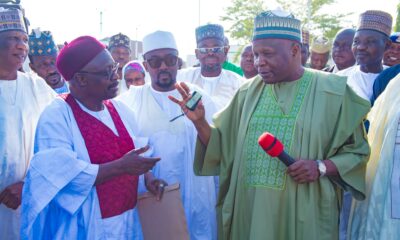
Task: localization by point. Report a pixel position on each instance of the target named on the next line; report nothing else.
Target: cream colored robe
(18, 119)
(376, 217)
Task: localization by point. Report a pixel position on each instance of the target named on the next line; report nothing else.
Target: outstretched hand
(131, 163)
(184, 91)
(134, 164)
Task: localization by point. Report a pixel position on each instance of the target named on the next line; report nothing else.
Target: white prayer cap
(158, 40)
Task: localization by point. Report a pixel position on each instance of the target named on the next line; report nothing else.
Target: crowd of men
(87, 130)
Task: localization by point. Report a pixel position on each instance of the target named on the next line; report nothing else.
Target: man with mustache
(172, 135)
(316, 116)
(391, 58)
(392, 55)
(370, 42)
(22, 98)
(342, 54)
(42, 55)
(211, 52)
(83, 179)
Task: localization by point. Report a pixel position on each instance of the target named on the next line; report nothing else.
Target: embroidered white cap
(158, 40)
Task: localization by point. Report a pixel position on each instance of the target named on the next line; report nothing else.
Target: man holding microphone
(316, 116)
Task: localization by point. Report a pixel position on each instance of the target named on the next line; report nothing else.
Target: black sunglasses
(108, 73)
(169, 60)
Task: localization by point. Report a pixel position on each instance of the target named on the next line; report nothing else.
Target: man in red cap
(83, 180)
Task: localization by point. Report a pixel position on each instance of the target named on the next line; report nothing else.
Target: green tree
(240, 15)
(319, 21)
(397, 25)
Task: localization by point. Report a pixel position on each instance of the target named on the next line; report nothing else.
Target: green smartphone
(193, 101)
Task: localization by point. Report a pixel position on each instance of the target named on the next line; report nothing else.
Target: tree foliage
(240, 15)
(397, 25)
(319, 22)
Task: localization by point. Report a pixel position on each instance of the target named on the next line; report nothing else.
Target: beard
(53, 79)
(211, 67)
(166, 81)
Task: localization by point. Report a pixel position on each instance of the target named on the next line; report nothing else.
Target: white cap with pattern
(158, 40)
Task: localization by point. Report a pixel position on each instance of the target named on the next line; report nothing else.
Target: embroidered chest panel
(262, 170)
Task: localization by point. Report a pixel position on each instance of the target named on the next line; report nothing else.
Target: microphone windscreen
(270, 144)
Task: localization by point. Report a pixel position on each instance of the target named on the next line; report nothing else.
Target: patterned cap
(305, 37)
(42, 43)
(209, 31)
(395, 37)
(119, 40)
(277, 24)
(321, 45)
(375, 20)
(11, 19)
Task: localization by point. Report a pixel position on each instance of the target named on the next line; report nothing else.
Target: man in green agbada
(316, 116)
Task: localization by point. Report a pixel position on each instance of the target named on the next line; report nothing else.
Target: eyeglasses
(106, 74)
(211, 50)
(169, 60)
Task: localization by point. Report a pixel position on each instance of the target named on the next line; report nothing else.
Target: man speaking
(316, 116)
(82, 181)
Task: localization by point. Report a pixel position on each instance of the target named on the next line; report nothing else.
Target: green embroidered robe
(328, 125)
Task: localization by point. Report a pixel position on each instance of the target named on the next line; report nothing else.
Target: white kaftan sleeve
(56, 174)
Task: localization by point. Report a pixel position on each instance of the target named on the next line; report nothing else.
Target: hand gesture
(198, 113)
(11, 195)
(155, 186)
(304, 171)
(134, 164)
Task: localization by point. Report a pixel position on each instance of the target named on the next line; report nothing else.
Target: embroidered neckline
(260, 169)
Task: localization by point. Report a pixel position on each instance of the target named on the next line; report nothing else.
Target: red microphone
(273, 147)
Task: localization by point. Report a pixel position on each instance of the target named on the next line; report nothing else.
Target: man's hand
(304, 171)
(155, 186)
(11, 195)
(131, 163)
(197, 116)
(198, 113)
(134, 164)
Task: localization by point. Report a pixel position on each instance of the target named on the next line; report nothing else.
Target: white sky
(69, 19)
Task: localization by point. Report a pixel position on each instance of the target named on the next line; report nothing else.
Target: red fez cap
(75, 55)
